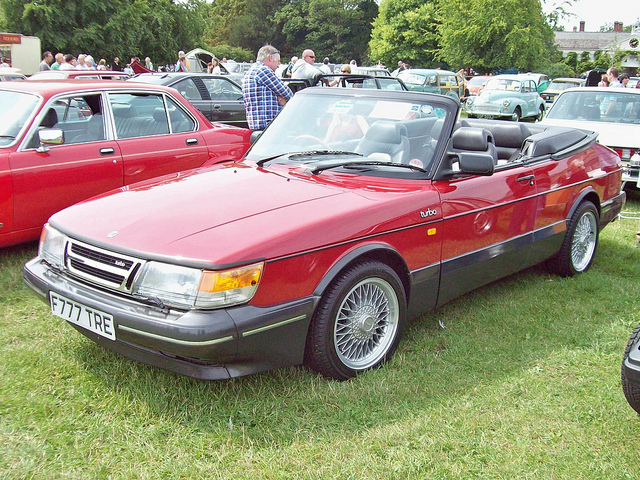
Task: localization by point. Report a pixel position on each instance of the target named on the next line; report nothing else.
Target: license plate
(88, 318)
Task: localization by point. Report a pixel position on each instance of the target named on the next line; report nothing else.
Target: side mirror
(475, 163)
(49, 136)
(254, 136)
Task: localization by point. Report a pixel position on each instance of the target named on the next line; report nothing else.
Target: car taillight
(625, 153)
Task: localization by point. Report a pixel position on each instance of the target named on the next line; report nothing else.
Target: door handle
(107, 151)
(217, 107)
(191, 141)
(527, 178)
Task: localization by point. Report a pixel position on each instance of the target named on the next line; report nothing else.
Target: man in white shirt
(304, 69)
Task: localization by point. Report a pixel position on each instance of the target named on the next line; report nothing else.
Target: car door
(156, 135)
(227, 105)
(87, 163)
(487, 227)
(531, 95)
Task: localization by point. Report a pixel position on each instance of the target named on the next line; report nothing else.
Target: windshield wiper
(262, 161)
(324, 152)
(309, 153)
(365, 163)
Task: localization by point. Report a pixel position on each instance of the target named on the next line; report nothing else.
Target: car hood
(493, 95)
(609, 134)
(235, 213)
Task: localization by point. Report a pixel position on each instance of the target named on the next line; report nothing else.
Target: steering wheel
(304, 140)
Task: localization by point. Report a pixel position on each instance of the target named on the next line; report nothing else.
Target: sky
(596, 13)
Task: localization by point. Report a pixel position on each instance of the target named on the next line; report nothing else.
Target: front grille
(108, 259)
(101, 267)
(96, 272)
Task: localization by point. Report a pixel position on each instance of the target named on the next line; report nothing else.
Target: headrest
(50, 118)
(95, 123)
(510, 135)
(123, 110)
(159, 115)
(471, 138)
(386, 132)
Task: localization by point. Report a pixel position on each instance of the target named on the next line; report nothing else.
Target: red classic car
(62, 142)
(352, 212)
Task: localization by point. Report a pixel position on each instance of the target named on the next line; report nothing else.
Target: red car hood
(237, 213)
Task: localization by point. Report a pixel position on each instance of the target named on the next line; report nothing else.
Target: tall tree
(406, 30)
(158, 28)
(338, 29)
(492, 34)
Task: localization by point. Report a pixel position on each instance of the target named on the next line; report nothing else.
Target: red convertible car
(354, 211)
(65, 141)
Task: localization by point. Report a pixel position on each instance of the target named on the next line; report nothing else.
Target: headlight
(194, 288)
(52, 245)
(506, 103)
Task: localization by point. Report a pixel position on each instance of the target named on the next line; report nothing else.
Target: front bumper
(205, 344)
(630, 173)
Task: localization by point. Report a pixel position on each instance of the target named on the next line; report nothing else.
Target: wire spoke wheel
(359, 321)
(366, 323)
(580, 242)
(584, 241)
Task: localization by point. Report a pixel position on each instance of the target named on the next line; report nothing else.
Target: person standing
(325, 68)
(264, 94)
(116, 67)
(147, 63)
(68, 62)
(612, 74)
(304, 68)
(47, 60)
(182, 60)
(59, 61)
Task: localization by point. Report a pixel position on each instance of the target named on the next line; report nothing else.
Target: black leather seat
(387, 142)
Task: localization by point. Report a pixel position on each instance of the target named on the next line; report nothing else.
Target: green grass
(523, 382)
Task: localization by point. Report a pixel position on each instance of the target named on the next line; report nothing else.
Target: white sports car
(612, 112)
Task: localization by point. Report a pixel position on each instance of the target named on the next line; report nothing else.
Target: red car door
(154, 136)
(83, 166)
(487, 228)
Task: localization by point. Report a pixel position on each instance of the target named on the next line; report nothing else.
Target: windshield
(15, 110)
(477, 81)
(150, 78)
(48, 75)
(353, 129)
(411, 78)
(559, 86)
(503, 84)
(611, 105)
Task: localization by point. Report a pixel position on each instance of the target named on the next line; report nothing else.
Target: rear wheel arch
(589, 195)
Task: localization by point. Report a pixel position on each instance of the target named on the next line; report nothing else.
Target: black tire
(540, 114)
(631, 391)
(580, 242)
(358, 322)
(517, 114)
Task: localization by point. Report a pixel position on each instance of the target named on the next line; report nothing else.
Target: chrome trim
(104, 261)
(273, 325)
(175, 340)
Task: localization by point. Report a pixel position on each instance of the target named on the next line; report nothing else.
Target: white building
(580, 41)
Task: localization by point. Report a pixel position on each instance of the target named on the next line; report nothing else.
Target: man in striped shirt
(264, 93)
